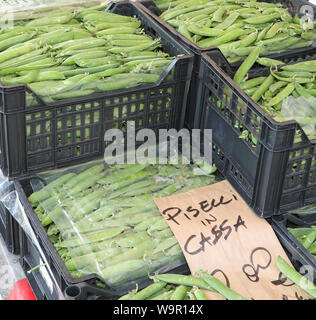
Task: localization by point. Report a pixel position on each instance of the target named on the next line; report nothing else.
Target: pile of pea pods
(182, 287)
(103, 220)
(77, 53)
(236, 27)
(287, 86)
(195, 287)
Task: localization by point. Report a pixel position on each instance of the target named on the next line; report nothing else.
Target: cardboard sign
(219, 233)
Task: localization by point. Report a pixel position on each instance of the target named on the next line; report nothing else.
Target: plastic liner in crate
(275, 174)
(54, 285)
(306, 262)
(64, 132)
(192, 116)
(9, 228)
(124, 215)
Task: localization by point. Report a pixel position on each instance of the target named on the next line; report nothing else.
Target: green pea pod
(64, 18)
(126, 37)
(187, 280)
(268, 62)
(276, 27)
(246, 65)
(282, 44)
(296, 277)
(228, 21)
(96, 62)
(16, 52)
(262, 33)
(46, 191)
(172, 14)
(72, 94)
(218, 14)
(183, 29)
(277, 85)
(262, 19)
(113, 273)
(291, 79)
(129, 43)
(123, 50)
(88, 44)
(131, 240)
(180, 292)
(118, 30)
(309, 240)
(74, 72)
(252, 83)
(309, 35)
(149, 291)
(226, 37)
(251, 91)
(100, 17)
(131, 80)
(305, 66)
(78, 262)
(107, 25)
(302, 91)
(199, 294)
(5, 44)
(220, 287)
(249, 39)
(36, 65)
(203, 31)
(262, 88)
(85, 55)
(166, 295)
(275, 40)
(134, 253)
(166, 244)
(284, 93)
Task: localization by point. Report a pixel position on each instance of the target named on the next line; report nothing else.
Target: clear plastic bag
(102, 218)
(303, 110)
(10, 199)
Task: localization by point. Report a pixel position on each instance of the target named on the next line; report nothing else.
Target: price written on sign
(219, 233)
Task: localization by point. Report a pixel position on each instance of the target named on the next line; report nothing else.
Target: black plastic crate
(87, 287)
(38, 138)
(290, 243)
(275, 175)
(192, 114)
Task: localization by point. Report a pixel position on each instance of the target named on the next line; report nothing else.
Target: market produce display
(182, 287)
(74, 54)
(104, 220)
(237, 27)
